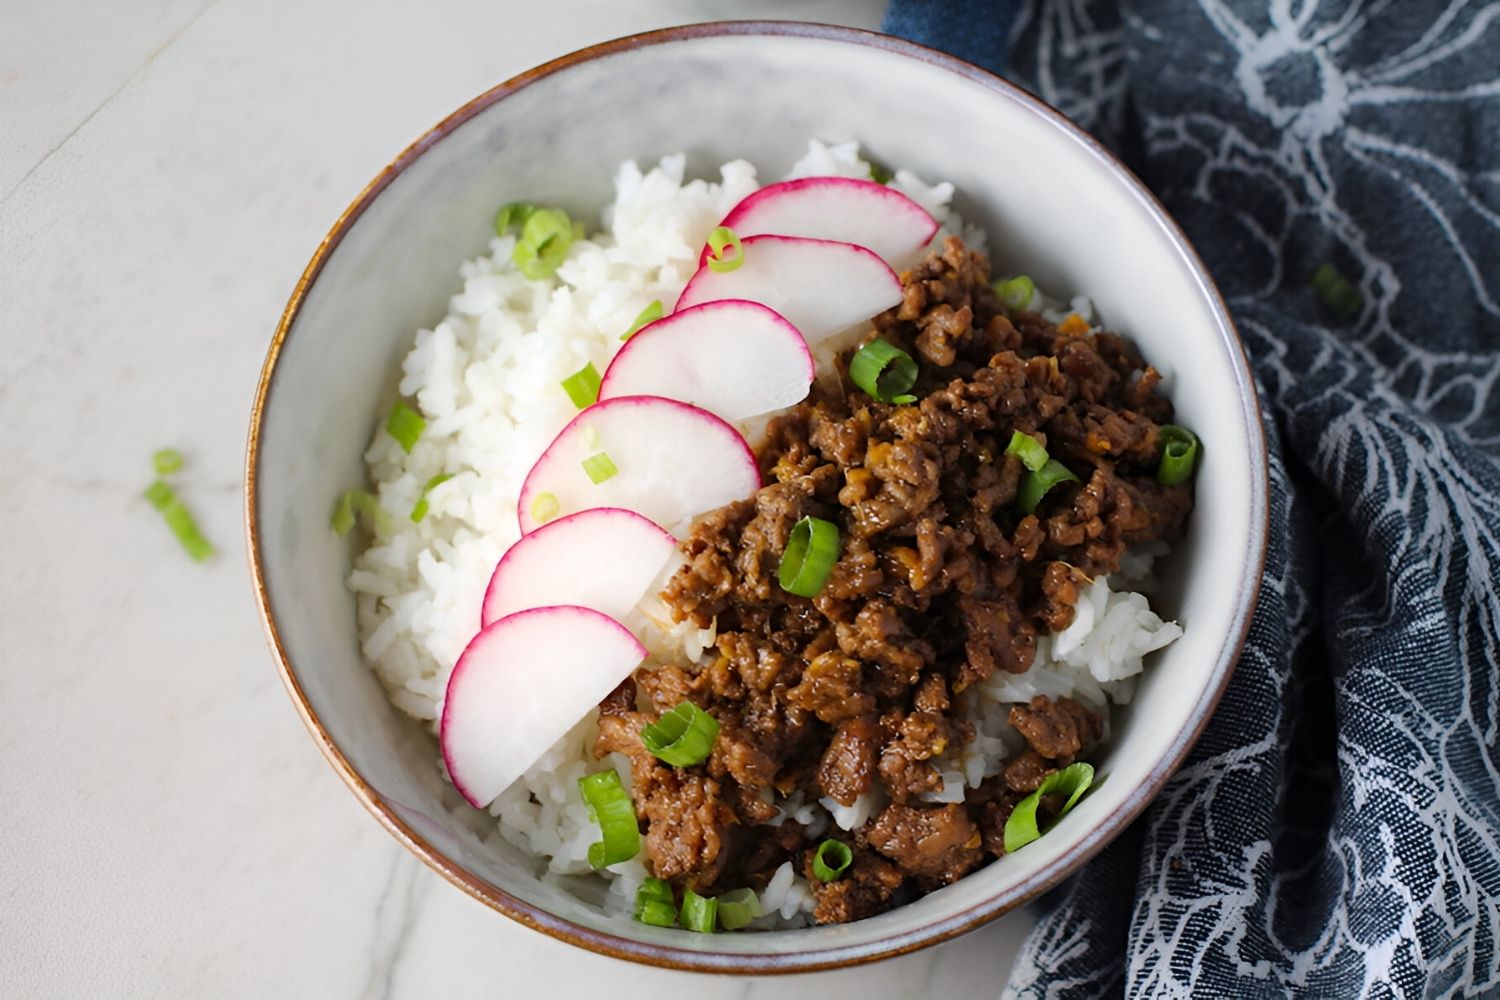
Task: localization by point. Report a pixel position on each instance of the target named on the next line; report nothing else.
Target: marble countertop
(166, 169)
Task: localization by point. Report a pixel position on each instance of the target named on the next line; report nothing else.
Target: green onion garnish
(180, 520)
(1179, 453)
(879, 174)
(543, 243)
(811, 550)
(1036, 484)
(737, 908)
(419, 511)
(1016, 293)
(699, 913)
(682, 737)
(832, 860)
(405, 425)
(1336, 291)
(1021, 828)
(166, 461)
(514, 214)
(884, 371)
(653, 903)
(582, 386)
(615, 813)
(363, 503)
(654, 888)
(600, 467)
(1028, 449)
(650, 314)
(544, 508)
(718, 241)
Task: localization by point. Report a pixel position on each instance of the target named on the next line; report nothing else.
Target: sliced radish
(518, 688)
(603, 559)
(673, 462)
(838, 208)
(820, 286)
(734, 358)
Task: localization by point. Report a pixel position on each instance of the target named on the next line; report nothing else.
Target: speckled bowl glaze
(1056, 204)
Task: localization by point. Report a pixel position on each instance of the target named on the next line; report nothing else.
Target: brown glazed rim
(825, 958)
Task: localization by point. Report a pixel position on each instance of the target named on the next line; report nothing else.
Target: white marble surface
(169, 830)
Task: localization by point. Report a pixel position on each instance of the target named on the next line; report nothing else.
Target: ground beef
(940, 582)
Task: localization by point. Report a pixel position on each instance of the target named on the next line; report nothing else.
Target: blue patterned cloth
(1336, 832)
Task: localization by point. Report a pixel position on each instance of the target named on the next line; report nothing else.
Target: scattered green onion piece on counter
(1336, 291)
(1016, 293)
(600, 467)
(699, 913)
(883, 370)
(615, 813)
(362, 503)
(682, 737)
(166, 461)
(513, 214)
(811, 550)
(1179, 453)
(545, 507)
(1035, 485)
(832, 859)
(543, 243)
(419, 510)
(737, 908)
(180, 520)
(879, 174)
(582, 386)
(650, 314)
(1022, 828)
(722, 239)
(405, 425)
(1028, 449)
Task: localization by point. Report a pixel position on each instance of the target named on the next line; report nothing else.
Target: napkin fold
(1336, 831)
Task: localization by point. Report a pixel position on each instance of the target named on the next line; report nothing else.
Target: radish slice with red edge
(671, 462)
(734, 358)
(521, 684)
(821, 287)
(604, 559)
(846, 209)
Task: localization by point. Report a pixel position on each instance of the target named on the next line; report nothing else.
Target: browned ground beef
(941, 581)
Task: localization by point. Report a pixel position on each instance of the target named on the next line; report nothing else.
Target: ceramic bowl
(1055, 203)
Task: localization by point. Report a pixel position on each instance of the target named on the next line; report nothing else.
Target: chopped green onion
(180, 520)
(405, 425)
(905, 399)
(1028, 449)
(699, 913)
(650, 314)
(879, 174)
(1336, 291)
(718, 241)
(884, 371)
(363, 503)
(419, 511)
(811, 550)
(737, 908)
(1021, 828)
(513, 214)
(615, 813)
(1179, 453)
(832, 859)
(582, 386)
(1016, 293)
(544, 508)
(543, 243)
(600, 467)
(682, 737)
(166, 461)
(1036, 484)
(658, 889)
(653, 903)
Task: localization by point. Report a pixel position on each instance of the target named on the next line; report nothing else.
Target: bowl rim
(904, 941)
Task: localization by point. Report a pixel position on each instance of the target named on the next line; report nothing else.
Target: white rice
(486, 380)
